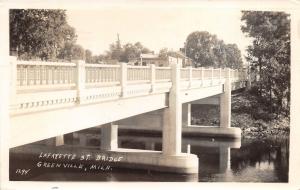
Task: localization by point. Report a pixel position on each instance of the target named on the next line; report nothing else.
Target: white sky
(154, 27)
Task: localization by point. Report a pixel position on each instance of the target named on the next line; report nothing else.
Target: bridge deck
(50, 99)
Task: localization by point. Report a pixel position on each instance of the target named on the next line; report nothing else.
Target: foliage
(126, 52)
(269, 56)
(208, 51)
(72, 52)
(88, 56)
(133, 51)
(252, 116)
(163, 53)
(39, 33)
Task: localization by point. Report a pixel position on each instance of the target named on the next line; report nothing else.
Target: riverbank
(248, 114)
(253, 119)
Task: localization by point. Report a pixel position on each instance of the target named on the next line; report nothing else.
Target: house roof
(149, 56)
(178, 54)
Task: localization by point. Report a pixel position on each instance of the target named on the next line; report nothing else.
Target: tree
(208, 51)
(199, 47)
(126, 52)
(88, 56)
(269, 55)
(233, 57)
(163, 53)
(115, 50)
(39, 33)
(78, 53)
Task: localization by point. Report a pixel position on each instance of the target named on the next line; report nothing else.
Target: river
(220, 160)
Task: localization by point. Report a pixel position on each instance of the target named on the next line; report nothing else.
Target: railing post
(190, 76)
(202, 77)
(212, 76)
(123, 78)
(152, 79)
(80, 82)
(13, 82)
(220, 75)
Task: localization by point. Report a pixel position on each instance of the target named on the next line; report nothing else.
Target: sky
(154, 27)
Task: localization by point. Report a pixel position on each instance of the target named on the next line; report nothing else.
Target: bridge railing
(163, 74)
(58, 83)
(48, 75)
(138, 74)
(45, 75)
(98, 74)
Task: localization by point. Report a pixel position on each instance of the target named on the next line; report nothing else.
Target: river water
(220, 160)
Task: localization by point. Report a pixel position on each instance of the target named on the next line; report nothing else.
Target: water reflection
(219, 159)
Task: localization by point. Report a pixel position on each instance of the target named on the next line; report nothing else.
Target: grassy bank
(248, 114)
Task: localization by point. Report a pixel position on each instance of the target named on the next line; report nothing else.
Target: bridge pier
(186, 114)
(172, 117)
(225, 102)
(59, 140)
(82, 139)
(172, 131)
(55, 141)
(224, 159)
(109, 137)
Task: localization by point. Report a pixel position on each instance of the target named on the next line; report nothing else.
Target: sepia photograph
(148, 93)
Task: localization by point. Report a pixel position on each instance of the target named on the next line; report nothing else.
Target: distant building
(186, 61)
(148, 59)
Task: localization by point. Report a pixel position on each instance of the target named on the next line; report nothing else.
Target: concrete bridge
(49, 99)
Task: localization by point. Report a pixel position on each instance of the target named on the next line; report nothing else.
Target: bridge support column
(186, 114)
(224, 159)
(82, 139)
(225, 102)
(109, 137)
(59, 140)
(172, 117)
(172, 156)
(55, 141)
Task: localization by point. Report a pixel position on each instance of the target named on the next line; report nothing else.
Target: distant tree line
(269, 56)
(45, 34)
